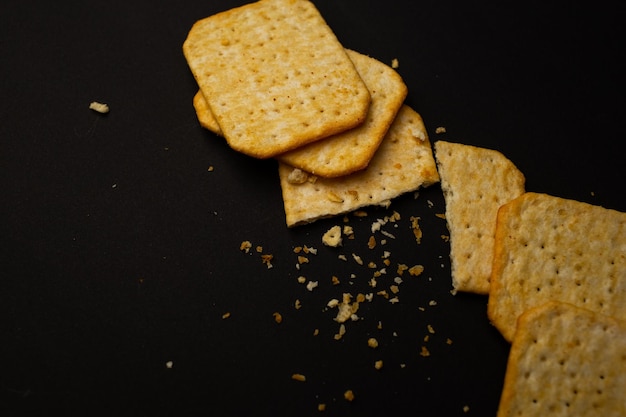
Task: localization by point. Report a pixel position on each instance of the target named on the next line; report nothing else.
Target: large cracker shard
(403, 163)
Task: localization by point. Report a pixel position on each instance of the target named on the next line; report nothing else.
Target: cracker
(551, 248)
(475, 183)
(275, 76)
(352, 150)
(403, 162)
(565, 361)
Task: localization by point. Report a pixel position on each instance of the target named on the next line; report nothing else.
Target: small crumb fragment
(99, 107)
(378, 364)
(342, 331)
(424, 352)
(372, 342)
(348, 395)
(416, 270)
(439, 130)
(311, 285)
(394, 63)
(298, 377)
(210, 168)
(226, 315)
(417, 232)
(169, 364)
(267, 260)
(297, 305)
(245, 246)
(466, 408)
(332, 237)
(297, 176)
(357, 259)
(278, 318)
(321, 407)
(335, 280)
(371, 243)
(301, 279)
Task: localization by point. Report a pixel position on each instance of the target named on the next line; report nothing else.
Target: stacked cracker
(555, 273)
(275, 82)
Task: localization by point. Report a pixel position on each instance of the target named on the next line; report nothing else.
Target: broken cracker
(475, 183)
(403, 162)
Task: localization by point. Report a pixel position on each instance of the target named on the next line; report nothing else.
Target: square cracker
(275, 76)
(565, 361)
(349, 151)
(475, 183)
(551, 248)
(403, 162)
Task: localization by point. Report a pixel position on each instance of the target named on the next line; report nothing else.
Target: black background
(119, 249)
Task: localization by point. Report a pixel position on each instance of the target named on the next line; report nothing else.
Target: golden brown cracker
(275, 76)
(550, 248)
(565, 361)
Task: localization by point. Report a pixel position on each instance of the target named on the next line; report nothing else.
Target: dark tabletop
(119, 247)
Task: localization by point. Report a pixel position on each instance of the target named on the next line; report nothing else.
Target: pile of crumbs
(384, 282)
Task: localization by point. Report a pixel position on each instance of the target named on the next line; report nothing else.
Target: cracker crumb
(278, 318)
(417, 232)
(226, 315)
(210, 168)
(311, 285)
(372, 342)
(169, 364)
(297, 176)
(439, 130)
(416, 270)
(466, 408)
(245, 246)
(297, 304)
(342, 331)
(357, 259)
(301, 279)
(335, 280)
(371, 243)
(332, 237)
(321, 407)
(394, 63)
(99, 107)
(348, 395)
(298, 377)
(378, 364)
(424, 352)
(267, 260)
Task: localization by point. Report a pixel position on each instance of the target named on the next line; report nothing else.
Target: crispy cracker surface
(551, 248)
(403, 162)
(565, 361)
(475, 182)
(352, 150)
(275, 76)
